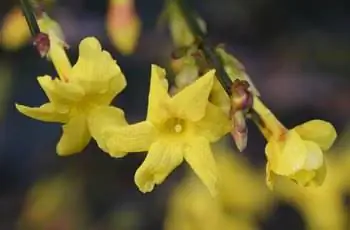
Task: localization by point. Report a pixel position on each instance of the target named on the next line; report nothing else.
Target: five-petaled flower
(177, 128)
(295, 153)
(87, 87)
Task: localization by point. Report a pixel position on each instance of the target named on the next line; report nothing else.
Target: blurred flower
(241, 198)
(54, 203)
(85, 89)
(176, 128)
(322, 207)
(14, 32)
(127, 217)
(296, 153)
(180, 32)
(123, 25)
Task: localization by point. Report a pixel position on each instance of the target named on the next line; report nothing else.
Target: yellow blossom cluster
(296, 153)
(177, 128)
(181, 124)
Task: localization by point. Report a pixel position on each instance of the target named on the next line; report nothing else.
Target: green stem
(205, 46)
(30, 17)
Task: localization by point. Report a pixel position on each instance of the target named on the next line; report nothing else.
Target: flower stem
(205, 46)
(40, 40)
(27, 10)
(267, 122)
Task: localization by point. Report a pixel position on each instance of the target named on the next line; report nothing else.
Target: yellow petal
(320, 176)
(75, 136)
(158, 99)
(219, 97)
(288, 157)
(314, 169)
(97, 72)
(303, 177)
(60, 93)
(199, 156)
(214, 124)
(321, 132)
(101, 119)
(130, 138)
(47, 112)
(272, 151)
(314, 157)
(294, 158)
(59, 57)
(191, 102)
(162, 158)
(273, 125)
(14, 32)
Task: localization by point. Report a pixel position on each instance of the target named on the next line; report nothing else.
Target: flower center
(178, 128)
(175, 126)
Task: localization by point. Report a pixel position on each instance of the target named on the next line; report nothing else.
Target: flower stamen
(178, 128)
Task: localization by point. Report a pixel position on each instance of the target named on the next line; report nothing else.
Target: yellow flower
(88, 87)
(123, 25)
(50, 199)
(322, 207)
(249, 194)
(14, 32)
(236, 206)
(177, 128)
(296, 153)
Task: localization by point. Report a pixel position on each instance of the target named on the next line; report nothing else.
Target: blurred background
(297, 52)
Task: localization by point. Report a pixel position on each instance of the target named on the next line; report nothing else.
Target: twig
(30, 17)
(205, 46)
(40, 40)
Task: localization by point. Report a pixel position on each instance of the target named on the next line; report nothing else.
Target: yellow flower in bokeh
(89, 86)
(241, 198)
(123, 25)
(14, 31)
(177, 128)
(322, 207)
(50, 204)
(296, 153)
